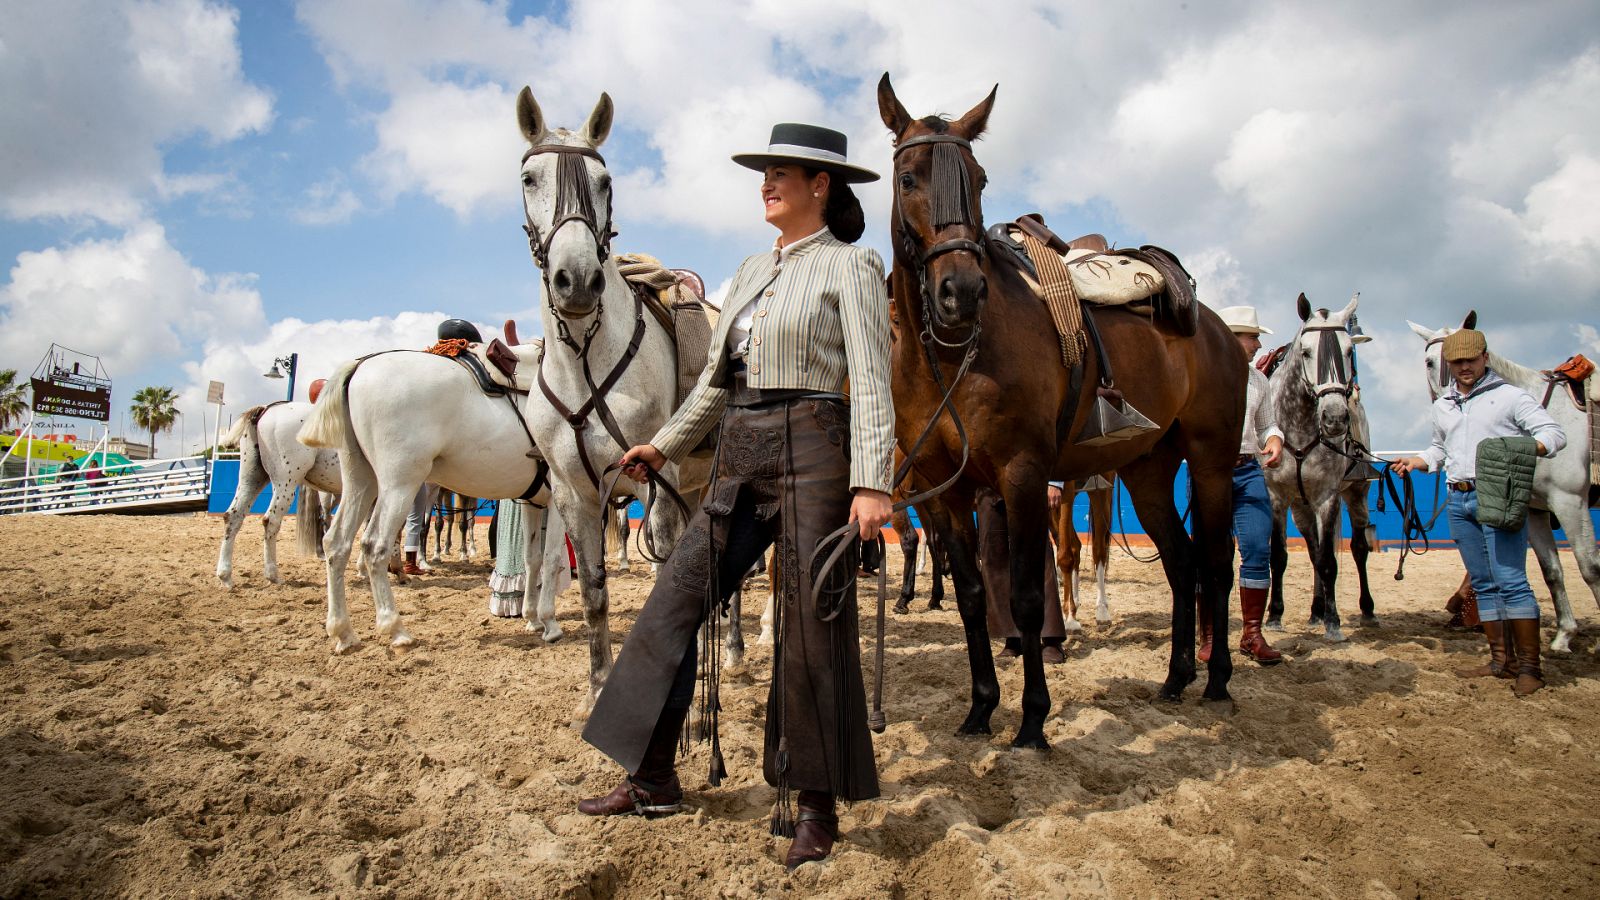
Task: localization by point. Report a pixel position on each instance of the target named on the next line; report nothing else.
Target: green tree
(13, 398)
(154, 409)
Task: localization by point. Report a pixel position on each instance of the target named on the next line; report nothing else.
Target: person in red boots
(1262, 444)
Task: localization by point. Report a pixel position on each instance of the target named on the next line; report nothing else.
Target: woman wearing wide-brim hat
(796, 460)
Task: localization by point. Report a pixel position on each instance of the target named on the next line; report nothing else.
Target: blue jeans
(1496, 561)
(1252, 525)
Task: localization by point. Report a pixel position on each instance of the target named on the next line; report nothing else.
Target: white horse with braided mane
(398, 420)
(1560, 483)
(596, 383)
(270, 454)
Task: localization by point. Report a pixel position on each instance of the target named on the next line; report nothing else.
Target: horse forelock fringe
(952, 188)
(939, 122)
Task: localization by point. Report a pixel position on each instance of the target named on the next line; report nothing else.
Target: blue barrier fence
(1430, 495)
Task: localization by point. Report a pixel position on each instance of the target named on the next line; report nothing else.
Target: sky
(190, 189)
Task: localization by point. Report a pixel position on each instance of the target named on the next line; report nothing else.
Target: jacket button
(762, 314)
(755, 370)
(756, 340)
(767, 294)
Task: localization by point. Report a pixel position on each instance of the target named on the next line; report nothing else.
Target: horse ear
(976, 120)
(894, 116)
(1421, 332)
(599, 125)
(1471, 321)
(1350, 308)
(1303, 307)
(529, 118)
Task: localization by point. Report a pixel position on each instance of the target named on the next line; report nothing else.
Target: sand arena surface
(160, 736)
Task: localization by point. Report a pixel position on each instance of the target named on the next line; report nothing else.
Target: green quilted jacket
(1505, 480)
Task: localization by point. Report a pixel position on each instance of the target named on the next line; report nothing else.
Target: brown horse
(971, 319)
(1069, 547)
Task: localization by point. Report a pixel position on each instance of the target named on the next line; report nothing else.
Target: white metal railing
(119, 486)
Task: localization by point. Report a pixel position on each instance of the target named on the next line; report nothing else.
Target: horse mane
(1513, 372)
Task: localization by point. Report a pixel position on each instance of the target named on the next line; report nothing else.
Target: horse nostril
(562, 281)
(597, 282)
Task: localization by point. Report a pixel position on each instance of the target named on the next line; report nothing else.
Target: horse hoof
(1032, 742)
(1072, 626)
(1334, 635)
(1102, 619)
(274, 577)
(1368, 620)
(935, 605)
(343, 644)
(1562, 643)
(1272, 626)
(902, 608)
(1314, 621)
(975, 724)
(1169, 694)
(227, 581)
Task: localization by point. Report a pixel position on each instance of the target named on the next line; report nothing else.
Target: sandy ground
(159, 736)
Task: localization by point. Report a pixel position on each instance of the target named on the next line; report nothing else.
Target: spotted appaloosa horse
(269, 454)
(962, 305)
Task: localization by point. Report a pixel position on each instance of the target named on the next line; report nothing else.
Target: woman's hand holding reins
(639, 456)
(871, 509)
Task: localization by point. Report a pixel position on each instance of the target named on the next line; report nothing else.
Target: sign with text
(51, 399)
(214, 392)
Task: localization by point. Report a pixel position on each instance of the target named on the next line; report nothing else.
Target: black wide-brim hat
(813, 146)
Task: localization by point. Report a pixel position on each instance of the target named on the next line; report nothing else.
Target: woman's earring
(818, 196)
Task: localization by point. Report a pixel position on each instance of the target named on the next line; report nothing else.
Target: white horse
(591, 318)
(1560, 484)
(1324, 430)
(397, 420)
(269, 453)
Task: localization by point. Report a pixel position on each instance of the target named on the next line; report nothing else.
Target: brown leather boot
(1501, 664)
(411, 567)
(1462, 607)
(1252, 643)
(1203, 619)
(653, 790)
(1525, 635)
(815, 829)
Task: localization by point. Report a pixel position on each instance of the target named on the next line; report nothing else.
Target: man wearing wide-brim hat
(1261, 442)
(1481, 405)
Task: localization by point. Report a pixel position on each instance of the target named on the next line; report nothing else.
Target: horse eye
(907, 182)
(605, 182)
(527, 179)
(983, 182)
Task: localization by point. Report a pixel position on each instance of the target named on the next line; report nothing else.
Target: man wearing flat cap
(1481, 405)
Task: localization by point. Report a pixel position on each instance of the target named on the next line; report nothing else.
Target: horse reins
(575, 203)
(952, 205)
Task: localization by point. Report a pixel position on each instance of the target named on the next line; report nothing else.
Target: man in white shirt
(1482, 405)
(1262, 442)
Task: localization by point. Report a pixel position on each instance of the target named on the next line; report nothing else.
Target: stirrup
(647, 810)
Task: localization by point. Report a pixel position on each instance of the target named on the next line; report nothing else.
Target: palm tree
(154, 409)
(13, 400)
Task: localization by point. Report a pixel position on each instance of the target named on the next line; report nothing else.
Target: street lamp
(290, 362)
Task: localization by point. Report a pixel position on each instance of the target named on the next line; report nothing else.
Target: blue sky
(190, 188)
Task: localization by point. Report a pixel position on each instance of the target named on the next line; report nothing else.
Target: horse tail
(329, 425)
(309, 526)
(245, 424)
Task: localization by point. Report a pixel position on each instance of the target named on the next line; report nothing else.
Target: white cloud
(132, 300)
(100, 89)
(328, 202)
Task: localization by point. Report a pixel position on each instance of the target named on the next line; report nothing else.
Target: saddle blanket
(1107, 279)
(676, 297)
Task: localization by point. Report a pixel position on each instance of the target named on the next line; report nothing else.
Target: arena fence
(145, 486)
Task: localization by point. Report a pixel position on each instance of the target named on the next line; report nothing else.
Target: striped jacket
(821, 317)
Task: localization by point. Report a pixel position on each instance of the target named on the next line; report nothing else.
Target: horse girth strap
(579, 419)
(1060, 297)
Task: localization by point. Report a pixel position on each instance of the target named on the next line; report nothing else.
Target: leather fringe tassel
(952, 188)
(783, 817)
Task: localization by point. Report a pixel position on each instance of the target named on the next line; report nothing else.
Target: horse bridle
(951, 204)
(575, 203)
(1330, 362)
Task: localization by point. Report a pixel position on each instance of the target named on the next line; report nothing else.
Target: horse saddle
(498, 367)
(677, 299)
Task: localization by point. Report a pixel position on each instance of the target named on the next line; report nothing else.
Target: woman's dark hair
(843, 214)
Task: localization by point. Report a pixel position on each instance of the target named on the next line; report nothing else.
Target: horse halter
(574, 201)
(1332, 378)
(951, 204)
